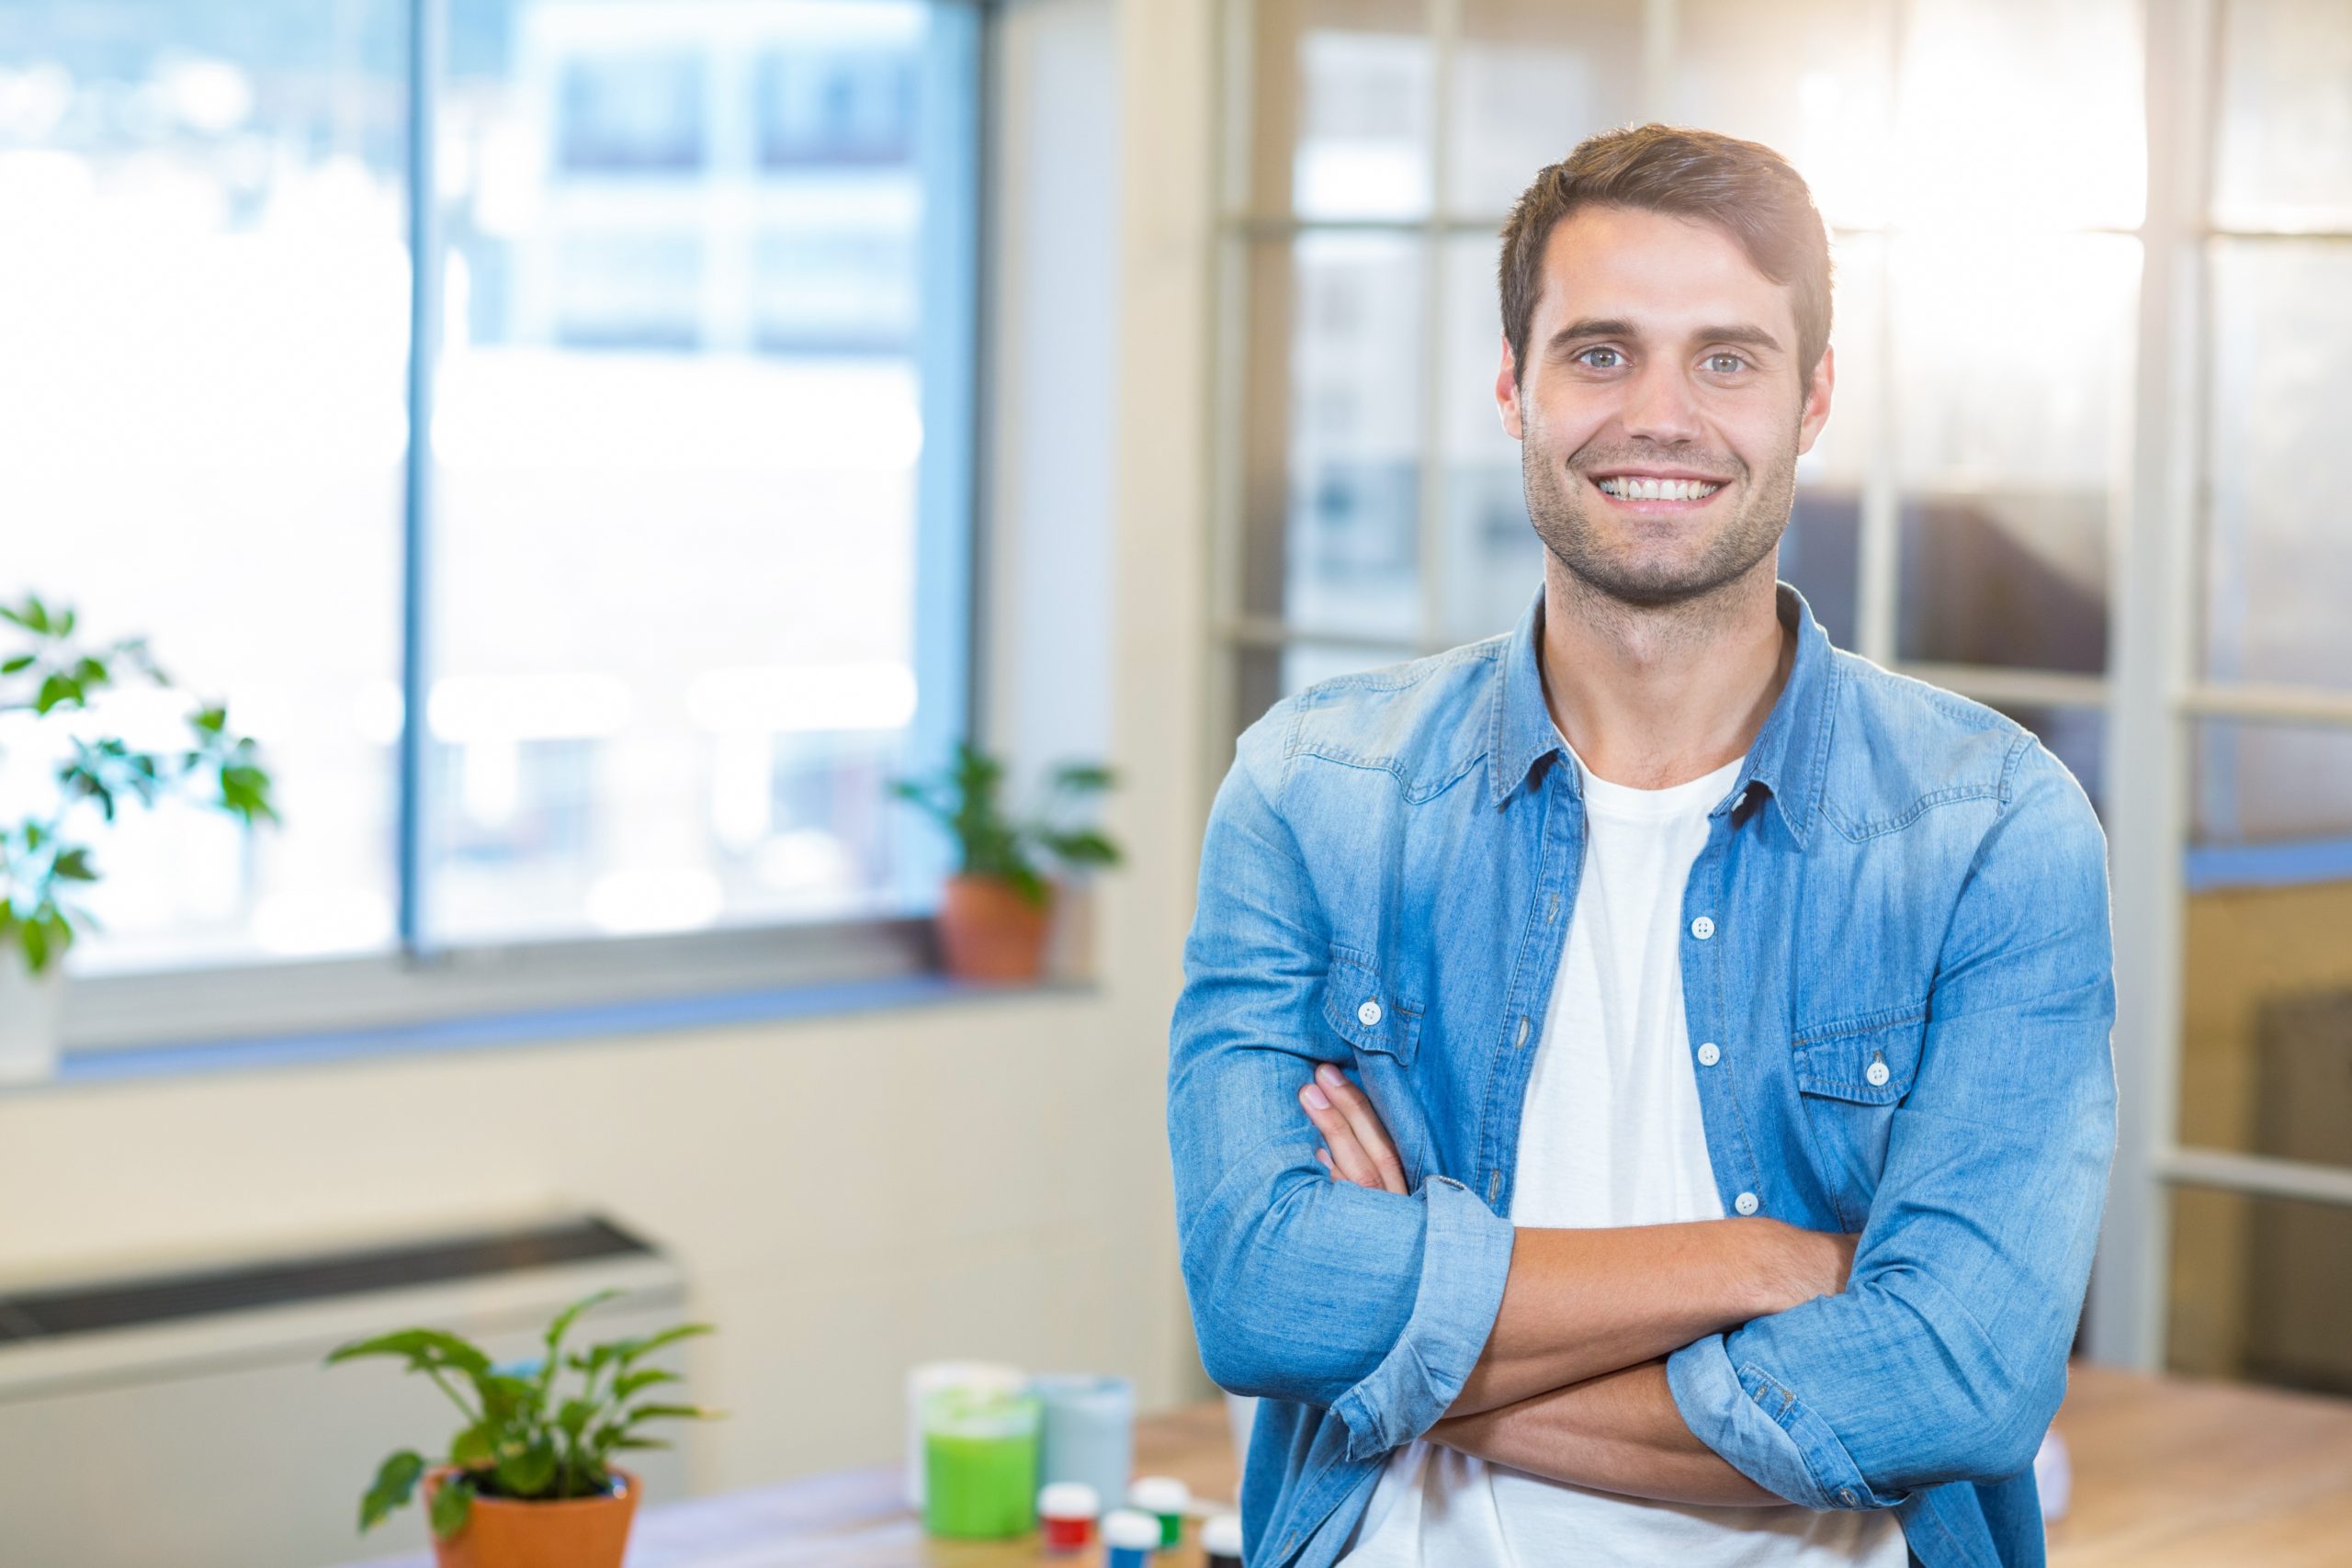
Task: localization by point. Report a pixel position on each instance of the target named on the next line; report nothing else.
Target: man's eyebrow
(1744, 333)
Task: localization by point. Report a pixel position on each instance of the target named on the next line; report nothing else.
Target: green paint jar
(979, 1464)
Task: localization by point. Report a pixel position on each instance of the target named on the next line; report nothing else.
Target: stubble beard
(1562, 515)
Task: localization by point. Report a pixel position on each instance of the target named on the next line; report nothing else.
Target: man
(1641, 1092)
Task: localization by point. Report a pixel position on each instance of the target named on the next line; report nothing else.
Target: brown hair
(1742, 187)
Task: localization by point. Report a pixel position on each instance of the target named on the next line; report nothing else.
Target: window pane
(1332, 433)
(2012, 365)
(675, 540)
(2278, 553)
(203, 350)
(1532, 78)
(2267, 1035)
(2258, 1288)
(2282, 155)
(1340, 118)
(2017, 114)
(1808, 78)
(1493, 559)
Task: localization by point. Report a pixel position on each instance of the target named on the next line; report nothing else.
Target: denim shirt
(1897, 940)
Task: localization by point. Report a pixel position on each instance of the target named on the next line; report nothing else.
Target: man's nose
(1659, 405)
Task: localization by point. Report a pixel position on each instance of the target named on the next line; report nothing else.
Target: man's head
(1665, 330)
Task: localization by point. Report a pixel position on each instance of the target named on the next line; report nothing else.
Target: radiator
(183, 1419)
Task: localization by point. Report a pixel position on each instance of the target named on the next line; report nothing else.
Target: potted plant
(57, 680)
(529, 1481)
(993, 920)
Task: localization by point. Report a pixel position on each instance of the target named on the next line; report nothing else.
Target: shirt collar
(1788, 758)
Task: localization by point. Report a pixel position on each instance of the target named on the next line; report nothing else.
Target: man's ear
(1816, 402)
(1507, 395)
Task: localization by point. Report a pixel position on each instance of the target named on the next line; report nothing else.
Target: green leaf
(75, 867)
(576, 1415)
(526, 1474)
(56, 690)
(453, 1504)
(1083, 778)
(617, 1444)
(636, 1382)
(632, 1350)
(1085, 847)
(503, 1397)
(17, 617)
(665, 1412)
(210, 718)
(65, 621)
(564, 1320)
(395, 1483)
(472, 1449)
(22, 661)
(421, 1348)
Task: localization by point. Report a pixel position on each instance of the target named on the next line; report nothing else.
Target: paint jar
(1131, 1538)
(1165, 1498)
(937, 1377)
(1221, 1539)
(1090, 1432)
(979, 1464)
(1068, 1509)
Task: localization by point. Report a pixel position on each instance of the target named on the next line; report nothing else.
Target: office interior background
(812, 383)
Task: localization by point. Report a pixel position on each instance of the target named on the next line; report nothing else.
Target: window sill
(537, 1026)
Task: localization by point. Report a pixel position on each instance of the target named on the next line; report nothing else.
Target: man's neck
(1656, 696)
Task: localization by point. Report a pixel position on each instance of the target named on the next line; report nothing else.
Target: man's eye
(1725, 364)
(1601, 358)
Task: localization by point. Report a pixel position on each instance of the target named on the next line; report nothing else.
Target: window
(677, 586)
(2030, 476)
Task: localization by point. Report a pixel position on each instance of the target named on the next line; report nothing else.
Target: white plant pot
(31, 1008)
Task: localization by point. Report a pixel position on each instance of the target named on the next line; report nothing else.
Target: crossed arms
(1426, 1313)
(1572, 1384)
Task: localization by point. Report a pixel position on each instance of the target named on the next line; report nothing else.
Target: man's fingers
(1361, 1126)
(1349, 1160)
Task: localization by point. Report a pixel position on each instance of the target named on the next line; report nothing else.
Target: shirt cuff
(1761, 1429)
(1465, 1258)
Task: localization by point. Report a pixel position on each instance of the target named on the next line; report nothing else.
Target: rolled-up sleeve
(1944, 1359)
(1374, 1305)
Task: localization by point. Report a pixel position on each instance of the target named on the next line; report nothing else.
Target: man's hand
(1356, 1146)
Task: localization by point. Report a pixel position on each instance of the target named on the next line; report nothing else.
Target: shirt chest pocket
(1850, 1075)
(1384, 1031)
(1366, 1012)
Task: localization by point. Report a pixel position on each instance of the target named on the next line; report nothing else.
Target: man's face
(1660, 414)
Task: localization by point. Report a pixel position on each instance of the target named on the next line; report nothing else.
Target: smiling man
(1641, 1090)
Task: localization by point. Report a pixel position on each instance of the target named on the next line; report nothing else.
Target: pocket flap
(1869, 1060)
(1363, 1011)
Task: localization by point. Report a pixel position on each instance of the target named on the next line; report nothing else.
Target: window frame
(2153, 688)
(419, 981)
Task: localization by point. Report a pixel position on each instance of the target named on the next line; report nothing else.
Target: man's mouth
(1644, 486)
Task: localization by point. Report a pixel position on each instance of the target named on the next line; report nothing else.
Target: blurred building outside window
(688, 479)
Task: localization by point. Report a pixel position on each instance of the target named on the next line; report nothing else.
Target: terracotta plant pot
(990, 933)
(582, 1532)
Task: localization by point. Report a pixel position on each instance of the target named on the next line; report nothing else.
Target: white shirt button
(1744, 1203)
(1710, 1053)
(1702, 928)
(1368, 1014)
(1876, 1073)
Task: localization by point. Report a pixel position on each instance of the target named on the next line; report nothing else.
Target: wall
(847, 1195)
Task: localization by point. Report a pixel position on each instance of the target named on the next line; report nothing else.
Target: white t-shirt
(1611, 1135)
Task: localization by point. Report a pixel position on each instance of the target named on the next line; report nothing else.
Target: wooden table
(2167, 1473)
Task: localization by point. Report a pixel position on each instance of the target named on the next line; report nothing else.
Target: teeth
(1630, 489)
